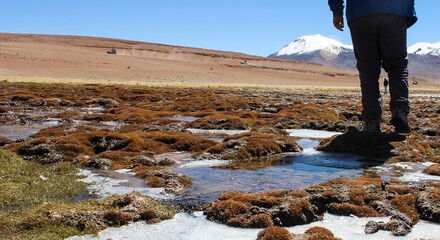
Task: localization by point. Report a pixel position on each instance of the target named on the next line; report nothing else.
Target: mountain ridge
(424, 58)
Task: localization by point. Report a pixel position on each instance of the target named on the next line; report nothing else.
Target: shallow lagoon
(293, 171)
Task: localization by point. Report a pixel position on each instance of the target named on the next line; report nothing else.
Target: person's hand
(338, 22)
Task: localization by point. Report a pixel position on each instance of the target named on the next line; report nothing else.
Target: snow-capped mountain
(310, 44)
(424, 58)
(318, 49)
(432, 49)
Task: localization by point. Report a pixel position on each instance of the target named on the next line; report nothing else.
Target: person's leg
(393, 49)
(365, 39)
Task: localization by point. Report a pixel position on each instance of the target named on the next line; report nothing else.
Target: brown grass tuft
(217, 121)
(148, 214)
(4, 109)
(131, 115)
(347, 209)
(400, 189)
(239, 222)
(4, 141)
(143, 171)
(261, 221)
(299, 206)
(229, 195)
(274, 233)
(155, 182)
(298, 193)
(320, 233)
(225, 210)
(357, 196)
(361, 181)
(433, 170)
(276, 193)
(217, 149)
(185, 181)
(406, 204)
(117, 217)
(67, 115)
(264, 200)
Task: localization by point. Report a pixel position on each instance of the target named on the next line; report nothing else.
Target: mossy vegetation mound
(36, 202)
(59, 144)
(362, 197)
(26, 184)
(433, 170)
(280, 233)
(251, 151)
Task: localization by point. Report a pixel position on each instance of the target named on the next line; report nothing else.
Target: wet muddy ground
(191, 145)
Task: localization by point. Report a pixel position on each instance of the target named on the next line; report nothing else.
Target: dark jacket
(360, 8)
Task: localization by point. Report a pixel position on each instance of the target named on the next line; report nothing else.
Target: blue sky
(258, 27)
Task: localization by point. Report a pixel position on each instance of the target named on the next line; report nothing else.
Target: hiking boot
(371, 126)
(400, 121)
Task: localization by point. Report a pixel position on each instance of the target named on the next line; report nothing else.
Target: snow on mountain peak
(424, 48)
(329, 49)
(312, 43)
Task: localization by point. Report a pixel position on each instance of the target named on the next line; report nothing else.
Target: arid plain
(66, 59)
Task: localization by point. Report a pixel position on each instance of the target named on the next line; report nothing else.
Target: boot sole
(400, 126)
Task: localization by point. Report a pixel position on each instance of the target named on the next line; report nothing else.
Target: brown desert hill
(31, 57)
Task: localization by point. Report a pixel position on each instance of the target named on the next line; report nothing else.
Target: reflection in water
(184, 118)
(294, 172)
(16, 132)
(214, 132)
(92, 110)
(37, 120)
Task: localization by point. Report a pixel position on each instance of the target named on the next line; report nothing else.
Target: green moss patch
(36, 202)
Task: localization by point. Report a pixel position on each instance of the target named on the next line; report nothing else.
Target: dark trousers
(380, 41)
